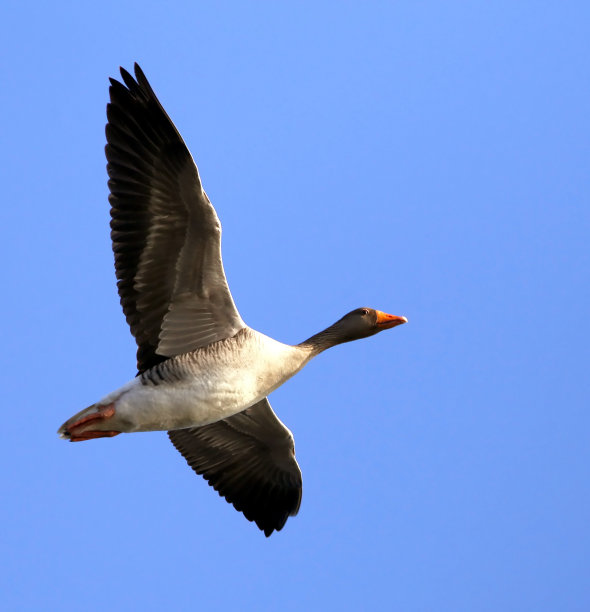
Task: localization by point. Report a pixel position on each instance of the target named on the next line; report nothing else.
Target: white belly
(218, 385)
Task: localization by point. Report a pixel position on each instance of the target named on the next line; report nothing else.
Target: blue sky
(428, 159)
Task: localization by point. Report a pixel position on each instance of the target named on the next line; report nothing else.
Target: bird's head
(364, 322)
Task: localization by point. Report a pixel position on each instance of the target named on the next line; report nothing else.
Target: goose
(203, 374)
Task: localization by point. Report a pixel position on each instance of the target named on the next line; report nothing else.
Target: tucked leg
(82, 429)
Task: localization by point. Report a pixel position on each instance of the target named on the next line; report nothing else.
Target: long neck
(329, 337)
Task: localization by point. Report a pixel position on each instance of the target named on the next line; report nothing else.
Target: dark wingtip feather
(139, 74)
(128, 79)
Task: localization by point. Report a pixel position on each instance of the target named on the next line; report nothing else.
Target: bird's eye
(365, 311)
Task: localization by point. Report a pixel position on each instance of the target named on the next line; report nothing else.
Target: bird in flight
(203, 374)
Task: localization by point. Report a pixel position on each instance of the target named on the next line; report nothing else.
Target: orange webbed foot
(82, 429)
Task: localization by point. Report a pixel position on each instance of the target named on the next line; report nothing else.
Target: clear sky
(429, 159)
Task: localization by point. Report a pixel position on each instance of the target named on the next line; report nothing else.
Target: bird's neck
(327, 338)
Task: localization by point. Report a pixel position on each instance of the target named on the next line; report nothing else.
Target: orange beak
(385, 321)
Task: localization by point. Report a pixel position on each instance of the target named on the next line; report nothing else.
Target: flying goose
(203, 374)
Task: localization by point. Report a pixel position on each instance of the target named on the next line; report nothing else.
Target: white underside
(225, 383)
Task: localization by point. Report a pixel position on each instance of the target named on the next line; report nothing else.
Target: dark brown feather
(249, 459)
(166, 235)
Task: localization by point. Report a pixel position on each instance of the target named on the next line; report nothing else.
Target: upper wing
(249, 459)
(165, 232)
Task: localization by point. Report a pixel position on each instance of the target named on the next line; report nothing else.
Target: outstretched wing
(249, 459)
(165, 232)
